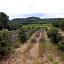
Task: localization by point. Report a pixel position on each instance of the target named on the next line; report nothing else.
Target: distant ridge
(36, 20)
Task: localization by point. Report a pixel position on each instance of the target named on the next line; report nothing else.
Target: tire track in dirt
(26, 54)
(33, 54)
(48, 52)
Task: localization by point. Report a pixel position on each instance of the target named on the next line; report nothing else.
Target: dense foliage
(61, 44)
(6, 44)
(3, 20)
(56, 38)
(54, 35)
(22, 35)
(59, 25)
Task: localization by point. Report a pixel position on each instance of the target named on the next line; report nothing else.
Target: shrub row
(56, 38)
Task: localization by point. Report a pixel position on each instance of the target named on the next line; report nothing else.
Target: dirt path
(50, 54)
(31, 53)
(26, 54)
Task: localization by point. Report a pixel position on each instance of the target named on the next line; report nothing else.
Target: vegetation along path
(27, 53)
(35, 51)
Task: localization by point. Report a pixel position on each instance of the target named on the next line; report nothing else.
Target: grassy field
(38, 26)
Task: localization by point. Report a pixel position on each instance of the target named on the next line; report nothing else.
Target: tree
(59, 25)
(54, 35)
(4, 20)
(62, 26)
(55, 24)
(29, 28)
(61, 44)
(22, 35)
(6, 44)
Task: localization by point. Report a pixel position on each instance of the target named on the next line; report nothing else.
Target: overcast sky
(39, 8)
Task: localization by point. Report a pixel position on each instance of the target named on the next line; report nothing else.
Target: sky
(38, 8)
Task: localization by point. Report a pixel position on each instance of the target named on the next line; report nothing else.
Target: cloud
(21, 8)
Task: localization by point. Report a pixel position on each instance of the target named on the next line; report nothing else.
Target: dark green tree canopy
(4, 19)
(54, 35)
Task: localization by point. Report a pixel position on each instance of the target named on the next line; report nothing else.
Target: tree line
(56, 38)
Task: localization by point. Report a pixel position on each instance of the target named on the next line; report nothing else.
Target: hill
(35, 20)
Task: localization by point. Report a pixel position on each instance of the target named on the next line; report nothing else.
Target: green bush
(59, 25)
(55, 62)
(50, 58)
(61, 45)
(54, 35)
(22, 35)
(6, 46)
